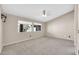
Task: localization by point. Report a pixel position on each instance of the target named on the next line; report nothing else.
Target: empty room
(37, 29)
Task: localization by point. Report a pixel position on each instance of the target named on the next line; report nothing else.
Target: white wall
(61, 27)
(11, 34)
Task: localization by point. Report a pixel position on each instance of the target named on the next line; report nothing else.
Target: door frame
(1, 31)
(76, 14)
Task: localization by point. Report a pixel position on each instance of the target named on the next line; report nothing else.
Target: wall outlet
(69, 36)
(30, 35)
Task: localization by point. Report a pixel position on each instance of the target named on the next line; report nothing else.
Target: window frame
(31, 23)
(26, 23)
(38, 24)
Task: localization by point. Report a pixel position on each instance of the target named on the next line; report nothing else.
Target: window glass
(24, 26)
(37, 27)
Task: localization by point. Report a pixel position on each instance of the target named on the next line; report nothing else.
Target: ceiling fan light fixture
(44, 13)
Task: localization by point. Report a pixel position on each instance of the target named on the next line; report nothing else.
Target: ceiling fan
(44, 14)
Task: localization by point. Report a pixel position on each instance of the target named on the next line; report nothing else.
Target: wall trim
(15, 42)
(19, 41)
(58, 38)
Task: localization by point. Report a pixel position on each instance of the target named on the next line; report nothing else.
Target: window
(37, 27)
(24, 26)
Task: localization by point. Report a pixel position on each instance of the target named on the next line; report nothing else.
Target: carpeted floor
(41, 46)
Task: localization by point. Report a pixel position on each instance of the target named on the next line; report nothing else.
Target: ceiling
(35, 11)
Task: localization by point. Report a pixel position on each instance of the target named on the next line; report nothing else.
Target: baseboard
(58, 38)
(14, 42)
(29, 39)
(19, 41)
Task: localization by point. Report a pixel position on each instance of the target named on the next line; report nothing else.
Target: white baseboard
(19, 41)
(25, 40)
(15, 42)
(58, 38)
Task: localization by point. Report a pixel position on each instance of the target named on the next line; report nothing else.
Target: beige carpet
(41, 46)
